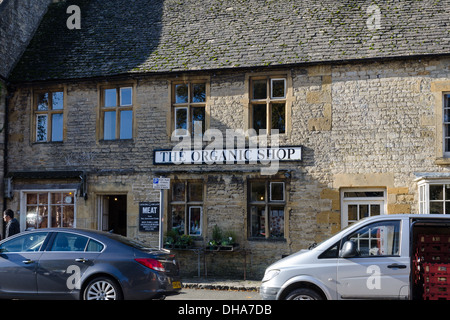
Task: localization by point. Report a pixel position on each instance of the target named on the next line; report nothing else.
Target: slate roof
(148, 36)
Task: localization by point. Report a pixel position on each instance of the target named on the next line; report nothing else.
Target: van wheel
(303, 294)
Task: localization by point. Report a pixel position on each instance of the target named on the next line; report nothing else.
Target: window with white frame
(268, 103)
(45, 209)
(186, 207)
(267, 200)
(434, 197)
(361, 203)
(446, 125)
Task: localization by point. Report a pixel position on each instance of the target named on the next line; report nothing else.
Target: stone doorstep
(221, 284)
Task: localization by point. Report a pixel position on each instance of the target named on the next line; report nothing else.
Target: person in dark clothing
(12, 225)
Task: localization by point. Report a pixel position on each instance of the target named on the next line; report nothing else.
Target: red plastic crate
(436, 289)
(436, 268)
(434, 248)
(438, 296)
(436, 279)
(432, 257)
(434, 238)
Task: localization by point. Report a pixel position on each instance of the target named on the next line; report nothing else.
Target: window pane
(363, 194)
(68, 216)
(42, 103)
(125, 97)
(195, 191)
(199, 92)
(181, 121)
(56, 213)
(276, 191)
(31, 198)
(181, 93)
(259, 89)
(363, 211)
(41, 127)
(181, 118)
(258, 191)
(42, 218)
(31, 218)
(178, 191)
(447, 144)
(178, 216)
(352, 212)
(279, 117)
(375, 210)
(195, 222)
(446, 116)
(257, 220)
(126, 124)
(58, 100)
(109, 128)
(436, 207)
(198, 120)
(259, 117)
(436, 192)
(57, 127)
(276, 222)
(278, 88)
(110, 98)
(43, 198)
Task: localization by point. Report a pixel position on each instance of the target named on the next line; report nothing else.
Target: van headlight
(270, 274)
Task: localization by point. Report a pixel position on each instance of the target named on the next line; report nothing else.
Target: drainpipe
(9, 94)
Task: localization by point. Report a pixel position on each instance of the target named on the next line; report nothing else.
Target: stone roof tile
(145, 36)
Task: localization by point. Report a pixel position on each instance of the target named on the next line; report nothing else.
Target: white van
(382, 257)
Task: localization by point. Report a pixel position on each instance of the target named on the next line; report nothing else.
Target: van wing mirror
(349, 250)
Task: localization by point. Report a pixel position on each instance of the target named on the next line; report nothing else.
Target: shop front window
(186, 207)
(267, 208)
(49, 209)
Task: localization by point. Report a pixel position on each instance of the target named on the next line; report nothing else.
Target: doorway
(112, 213)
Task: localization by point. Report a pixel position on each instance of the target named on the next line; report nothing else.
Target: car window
(30, 242)
(75, 243)
(377, 239)
(331, 252)
(69, 242)
(94, 246)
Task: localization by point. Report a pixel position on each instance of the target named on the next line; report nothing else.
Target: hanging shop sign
(228, 156)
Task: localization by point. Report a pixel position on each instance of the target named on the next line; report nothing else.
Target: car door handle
(396, 266)
(28, 261)
(81, 260)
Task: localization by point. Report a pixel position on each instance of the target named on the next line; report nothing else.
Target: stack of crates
(432, 266)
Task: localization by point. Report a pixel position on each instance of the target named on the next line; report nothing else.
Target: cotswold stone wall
(361, 125)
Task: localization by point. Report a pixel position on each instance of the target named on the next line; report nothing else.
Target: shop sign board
(228, 156)
(149, 216)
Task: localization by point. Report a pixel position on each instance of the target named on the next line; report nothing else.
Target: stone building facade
(369, 136)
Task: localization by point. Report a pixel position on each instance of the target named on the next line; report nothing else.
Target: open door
(112, 213)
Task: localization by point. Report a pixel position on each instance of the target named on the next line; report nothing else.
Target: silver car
(59, 263)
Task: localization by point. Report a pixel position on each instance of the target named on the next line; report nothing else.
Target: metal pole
(161, 214)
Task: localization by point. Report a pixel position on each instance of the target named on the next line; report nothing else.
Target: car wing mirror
(348, 250)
